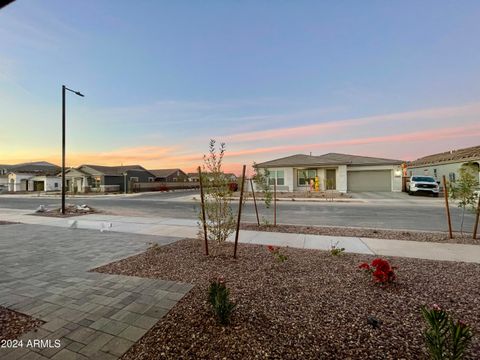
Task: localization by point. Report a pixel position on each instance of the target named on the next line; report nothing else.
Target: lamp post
(125, 182)
(63, 141)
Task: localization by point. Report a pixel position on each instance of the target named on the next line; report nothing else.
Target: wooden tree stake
(254, 202)
(445, 192)
(204, 218)
(275, 202)
(475, 228)
(239, 212)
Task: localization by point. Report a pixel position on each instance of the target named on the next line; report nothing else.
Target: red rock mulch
(313, 306)
(14, 324)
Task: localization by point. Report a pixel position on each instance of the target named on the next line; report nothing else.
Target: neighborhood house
(169, 175)
(87, 178)
(447, 163)
(33, 176)
(332, 171)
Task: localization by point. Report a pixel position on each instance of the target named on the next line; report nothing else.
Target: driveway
(401, 196)
(44, 274)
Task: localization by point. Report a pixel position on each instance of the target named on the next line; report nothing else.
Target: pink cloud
(338, 125)
(427, 135)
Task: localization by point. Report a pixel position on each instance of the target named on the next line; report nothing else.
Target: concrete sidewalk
(188, 228)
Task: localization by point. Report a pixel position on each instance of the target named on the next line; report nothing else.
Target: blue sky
(396, 79)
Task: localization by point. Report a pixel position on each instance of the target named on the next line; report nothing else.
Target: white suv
(426, 184)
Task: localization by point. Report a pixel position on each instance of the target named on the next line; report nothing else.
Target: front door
(331, 179)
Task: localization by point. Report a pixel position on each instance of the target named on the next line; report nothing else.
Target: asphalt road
(381, 213)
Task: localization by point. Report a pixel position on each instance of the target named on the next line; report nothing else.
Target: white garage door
(371, 180)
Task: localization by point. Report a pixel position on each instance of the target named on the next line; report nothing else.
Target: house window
(134, 179)
(304, 176)
(435, 173)
(280, 177)
(151, 179)
(56, 185)
(277, 176)
(451, 177)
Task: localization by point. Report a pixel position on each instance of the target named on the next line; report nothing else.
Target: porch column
(342, 178)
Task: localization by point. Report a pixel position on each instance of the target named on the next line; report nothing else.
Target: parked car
(426, 184)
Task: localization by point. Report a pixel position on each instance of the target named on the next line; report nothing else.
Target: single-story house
(33, 182)
(105, 178)
(193, 176)
(169, 175)
(447, 163)
(333, 171)
(33, 176)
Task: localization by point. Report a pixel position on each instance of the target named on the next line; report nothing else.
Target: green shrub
(335, 250)
(218, 297)
(446, 339)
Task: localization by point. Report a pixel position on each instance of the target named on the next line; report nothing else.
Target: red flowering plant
(381, 271)
(275, 251)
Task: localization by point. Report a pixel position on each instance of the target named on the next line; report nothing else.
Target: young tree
(464, 190)
(261, 180)
(220, 220)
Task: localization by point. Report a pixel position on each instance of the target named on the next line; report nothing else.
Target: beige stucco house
(333, 171)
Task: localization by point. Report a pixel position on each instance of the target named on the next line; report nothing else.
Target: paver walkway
(189, 228)
(44, 273)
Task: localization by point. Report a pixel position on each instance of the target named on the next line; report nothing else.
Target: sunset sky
(395, 79)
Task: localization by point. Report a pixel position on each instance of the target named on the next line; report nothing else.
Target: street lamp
(63, 141)
(125, 182)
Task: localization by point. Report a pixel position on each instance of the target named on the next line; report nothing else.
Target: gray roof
(114, 170)
(461, 155)
(165, 172)
(327, 159)
(39, 167)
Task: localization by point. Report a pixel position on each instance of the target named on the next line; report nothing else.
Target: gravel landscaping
(13, 324)
(369, 233)
(70, 210)
(312, 306)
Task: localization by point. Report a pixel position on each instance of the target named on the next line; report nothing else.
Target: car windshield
(423, 179)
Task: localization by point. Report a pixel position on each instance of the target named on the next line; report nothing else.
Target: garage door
(373, 180)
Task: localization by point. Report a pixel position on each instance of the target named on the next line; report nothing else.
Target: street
(397, 213)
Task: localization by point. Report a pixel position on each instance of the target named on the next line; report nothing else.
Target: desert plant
(220, 220)
(381, 271)
(446, 339)
(335, 250)
(463, 190)
(219, 298)
(275, 251)
(265, 221)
